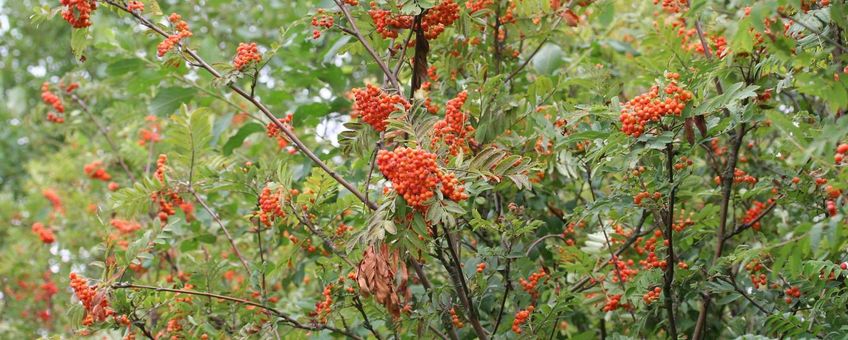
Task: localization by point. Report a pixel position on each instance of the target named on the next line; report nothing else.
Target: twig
(304, 220)
(223, 227)
(745, 295)
(539, 240)
(358, 304)
(506, 292)
(105, 134)
(356, 33)
(744, 226)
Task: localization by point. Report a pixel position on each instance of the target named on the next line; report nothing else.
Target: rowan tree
(492, 169)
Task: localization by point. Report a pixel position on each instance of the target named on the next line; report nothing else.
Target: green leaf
(80, 40)
(238, 139)
(124, 66)
(168, 99)
(549, 58)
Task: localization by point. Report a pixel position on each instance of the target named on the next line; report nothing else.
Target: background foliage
(551, 177)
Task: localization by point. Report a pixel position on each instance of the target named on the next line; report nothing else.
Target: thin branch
(105, 134)
(284, 317)
(356, 33)
(285, 129)
(304, 220)
(506, 292)
(744, 226)
(461, 285)
(536, 51)
(745, 295)
(222, 226)
(358, 304)
(539, 240)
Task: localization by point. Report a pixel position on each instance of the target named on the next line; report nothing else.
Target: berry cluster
(753, 214)
(95, 303)
(343, 229)
(151, 133)
(374, 106)
(841, 150)
(650, 245)
(652, 295)
(481, 267)
(682, 223)
(455, 319)
(792, 292)
(652, 261)
(673, 6)
(754, 267)
(125, 226)
(832, 192)
(613, 302)
(54, 200)
(830, 205)
(161, 163)
(45, 233)
(474, 6)
(246, 54)
(78, 12)
(321, 19)
(684, 162)
(433, 24)
(454, 129)
(269, 206)
(174, 39)
(532, 281)
(95, 170)
(166, 200)
(622, 271)
(521, 318)
(650, 106)
(133, 6)
(415, 176)
(637, 200)
(325, 306)
(274, 131)
(51, 99)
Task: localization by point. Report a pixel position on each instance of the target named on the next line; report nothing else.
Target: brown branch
(223, 227)
(356, 33)
(284, 317)
(668, 274)
(744, 226)
(304, 220)
(536, 51)
(460, 285)
(285, 129)
(726, 191)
